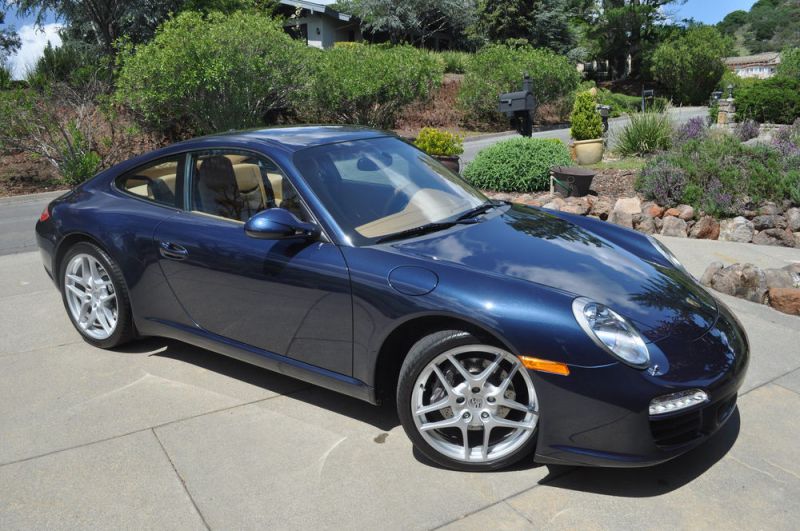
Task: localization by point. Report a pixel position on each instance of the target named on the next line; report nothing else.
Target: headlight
(611, 332)
(666, 253)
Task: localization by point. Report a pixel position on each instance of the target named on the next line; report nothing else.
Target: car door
(289, 297)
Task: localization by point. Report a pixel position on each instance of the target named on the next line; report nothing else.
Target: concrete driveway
(164, 435)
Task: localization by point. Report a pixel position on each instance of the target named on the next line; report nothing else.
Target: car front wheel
(95, 296)
(466, 404)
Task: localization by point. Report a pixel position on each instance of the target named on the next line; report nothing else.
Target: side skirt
(265, 359)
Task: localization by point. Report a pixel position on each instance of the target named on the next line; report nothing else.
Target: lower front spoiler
(685, 431)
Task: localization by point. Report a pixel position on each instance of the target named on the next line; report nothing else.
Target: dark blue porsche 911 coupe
(348, 258)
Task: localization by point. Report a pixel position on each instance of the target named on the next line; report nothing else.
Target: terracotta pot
(589, 151)
(451, 163)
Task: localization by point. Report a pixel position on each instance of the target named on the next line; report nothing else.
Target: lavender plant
(747, 129)
(693, 129)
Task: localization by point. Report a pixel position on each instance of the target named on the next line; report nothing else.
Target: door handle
(173, 251)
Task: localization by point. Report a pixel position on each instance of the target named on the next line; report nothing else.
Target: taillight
(45, 214)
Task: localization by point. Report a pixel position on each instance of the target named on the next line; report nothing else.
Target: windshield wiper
(477, 211)
(422, 229)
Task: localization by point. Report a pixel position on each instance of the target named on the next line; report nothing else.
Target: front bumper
(600, 416)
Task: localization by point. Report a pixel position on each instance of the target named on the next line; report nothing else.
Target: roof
(316, 8)
(294, 138)
(759, 58)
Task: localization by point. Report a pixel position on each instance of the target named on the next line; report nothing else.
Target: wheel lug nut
(476, 390)
(460, 400)
(484, 415)
(490, 399)
(467, 415)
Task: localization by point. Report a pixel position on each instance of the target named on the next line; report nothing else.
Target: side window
(236, 185)
(156, 181)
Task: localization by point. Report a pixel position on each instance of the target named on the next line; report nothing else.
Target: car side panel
(124, 227)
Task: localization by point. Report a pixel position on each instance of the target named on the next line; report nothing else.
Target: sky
(35, 39)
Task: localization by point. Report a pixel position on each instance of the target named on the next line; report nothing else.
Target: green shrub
(713, 112)
(369, 84)
(517, 165)
(454, 62)
(5, 77)
(214, 73)
(690, 65)
(773, 100)
(586, 121)
(720, 175)
(499, 68)
(74, 62)
(624, 104)
(439, 143)
(790, 63)
(646, 132)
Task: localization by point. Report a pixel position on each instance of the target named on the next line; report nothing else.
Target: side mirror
(279, 224)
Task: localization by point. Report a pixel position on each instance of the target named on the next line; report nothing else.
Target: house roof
(766, 58)
(314, 7)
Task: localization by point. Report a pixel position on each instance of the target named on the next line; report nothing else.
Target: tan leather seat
(276, 180)
(251, 187)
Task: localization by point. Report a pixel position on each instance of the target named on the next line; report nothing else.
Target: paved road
(18, 215)
(678, 114)
(164, 435)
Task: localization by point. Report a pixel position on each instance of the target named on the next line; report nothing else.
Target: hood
(535, 246)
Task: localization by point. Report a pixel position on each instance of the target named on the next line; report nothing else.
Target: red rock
(674, 212)
(786, 300)
(652, 210)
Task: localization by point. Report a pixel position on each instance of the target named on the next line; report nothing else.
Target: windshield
(382, 186)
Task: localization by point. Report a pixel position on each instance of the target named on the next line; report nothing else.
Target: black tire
(421, 354)
(124, 330)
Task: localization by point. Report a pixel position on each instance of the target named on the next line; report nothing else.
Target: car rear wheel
(95, 296)
(466, 404)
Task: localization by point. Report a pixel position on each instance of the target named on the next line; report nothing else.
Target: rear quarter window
(156, 182)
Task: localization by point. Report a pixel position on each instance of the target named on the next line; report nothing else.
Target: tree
(541, 23)
(411, 21)
(9, 40)
(628, 28)
(690, 65)
(104, 21)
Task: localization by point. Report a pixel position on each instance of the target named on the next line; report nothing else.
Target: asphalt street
(163, 435)
(615, 125)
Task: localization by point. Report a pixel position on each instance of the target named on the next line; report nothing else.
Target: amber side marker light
(554, 367)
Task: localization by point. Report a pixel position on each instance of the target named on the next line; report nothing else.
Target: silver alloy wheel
(466, 404)
(90, 296)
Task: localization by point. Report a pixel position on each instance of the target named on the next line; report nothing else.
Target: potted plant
(587, 130)
(444, 146)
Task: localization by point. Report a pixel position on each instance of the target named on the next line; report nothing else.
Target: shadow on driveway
(624, 482)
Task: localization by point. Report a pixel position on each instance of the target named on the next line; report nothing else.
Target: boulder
(793, 268)
(706, 228)
(710, 271)
(779, 237)
(769, 209)
(786, 300)
(685, 212)
(781, 278)
(652, 210)
(674, 227)
(793, 219)
(674, 212)
(647, 226)
(769, 221)
(601, 207)
(738, 229)
(621, 218)
(576, 205)
(797, 239)
(741, 280)
(628, 205)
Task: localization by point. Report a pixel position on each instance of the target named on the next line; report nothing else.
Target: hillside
(770, 25)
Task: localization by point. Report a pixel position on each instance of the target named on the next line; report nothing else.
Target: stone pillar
(727, 111)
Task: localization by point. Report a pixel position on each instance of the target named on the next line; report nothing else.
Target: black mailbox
(519, 107)
(516, 101)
